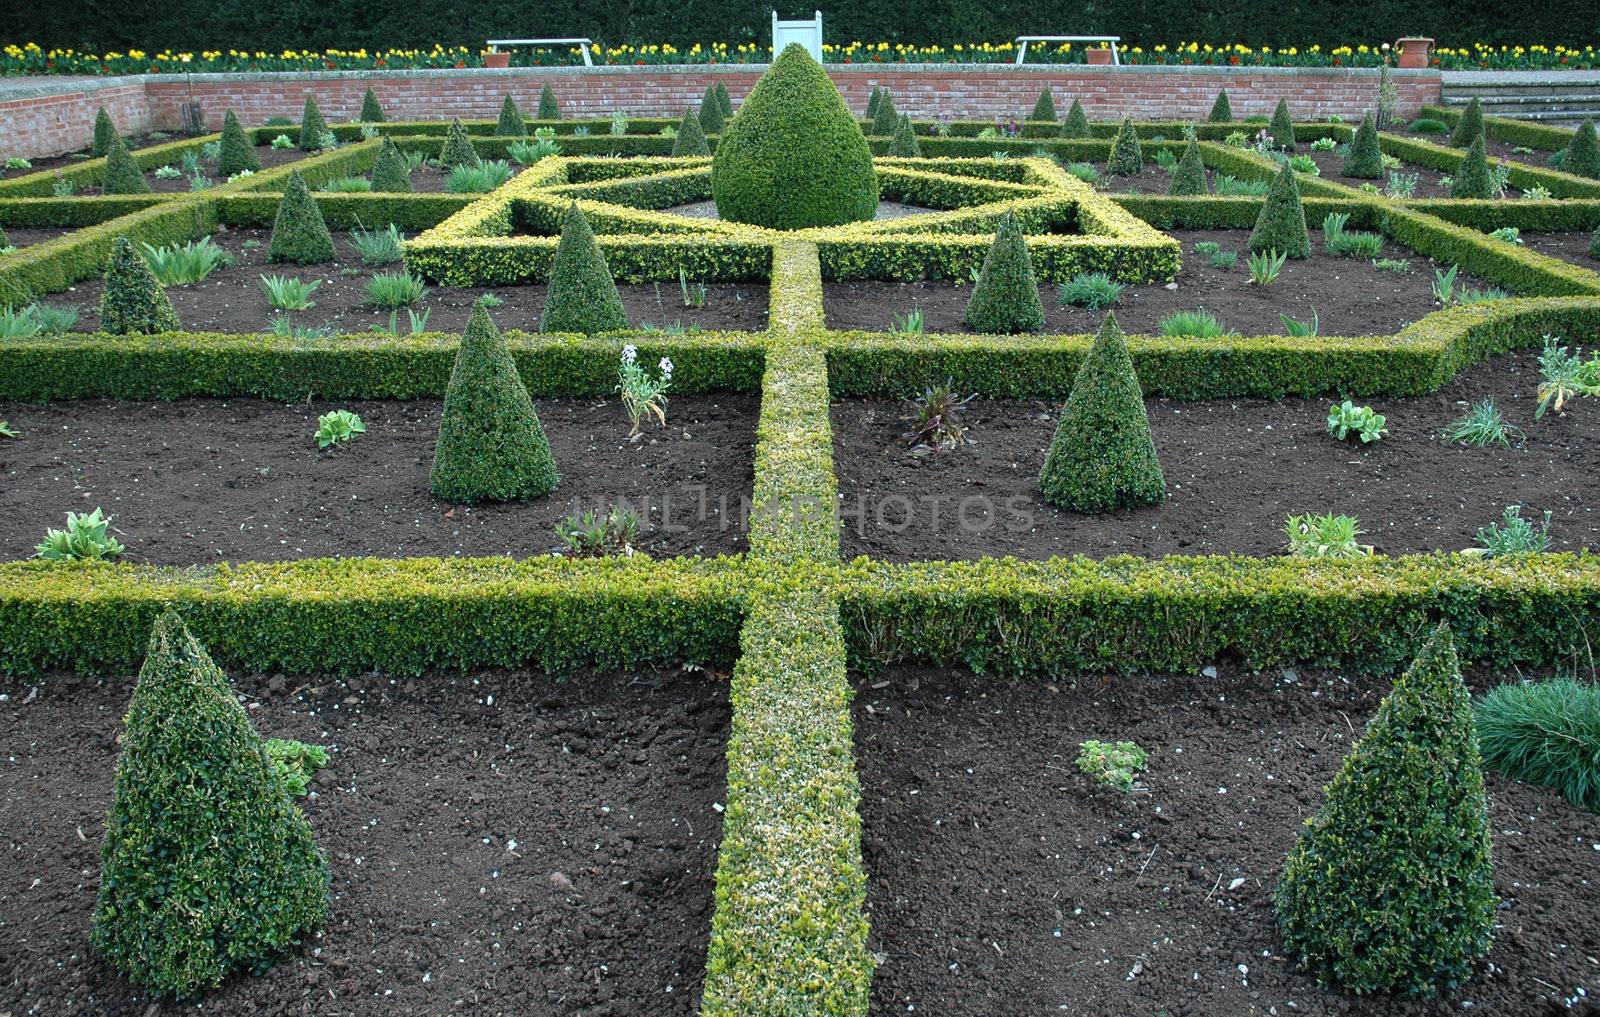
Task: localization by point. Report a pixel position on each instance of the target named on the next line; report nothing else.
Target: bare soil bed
(501, 844)
(1152, 179)
(1236, 469)
(20, 238)
(133, 141)
(206, 480)
(231, 299)
(268, 156)
(1350, 297)
(1573, 247)
(1002, 881)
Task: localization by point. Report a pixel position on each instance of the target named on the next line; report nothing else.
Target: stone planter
(1414, 52)
(1099, 57)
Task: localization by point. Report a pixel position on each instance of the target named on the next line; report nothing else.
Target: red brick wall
(32, 126)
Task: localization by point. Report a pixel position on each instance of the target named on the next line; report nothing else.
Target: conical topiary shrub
(1365, 158)
(312, 127)
(872, 102)
(104, 133)
(712, 120)
(581, 297)
(238, 152)
(726, 100)
(885, 116)
(122, 175)
(1190, 175)
(390, 174)
(549, 109)
(1281, 223)
(491, 444)
(1472, 178)
(1102, 457)
(371, 109)
(134, 302)
(1583, 153)
(207, 867)
(1469, 126)
(1076, 125)
(1005, 299)
(904, 144)
(1282, 127)
(1126, 157)
(510, 124)
(756, 177)
(1221, 110)
(299, 233)
(457, 149)
(1391, 886)
(691, 140)
(1044, 107)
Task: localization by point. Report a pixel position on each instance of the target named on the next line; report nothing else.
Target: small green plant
(1304, 164)
(19, 323)
(1483, 425)
(211, 151)
(1084, 171)
(1402, 185)
(282, 142)
(17, 162)
(643, 394)
(1196, 324)
(1090, 290)
(1514, 535)
(85, 539)
(395, 290)
(619, 123)
(286, 293)
(1545, 733)
(1444, 285)
(1469, 295)
(418, 322)
(1265, 266)
(1165, 159)
(184, 264)
(295, 763)
(489, 300)
(62, 187)
(1356, 244)
(694, 294)
(1538, 192)
(284, 326)
(1112, 764)
(487, 175)
(1233, 187)
(1224, 259)
(1564, 376)
(595, 535)
(1324, 145)
(1207, 247)
(543, 146)
(1396, 265)
(1324, 536)
(379, 247)
(1428, 125)
(7, 431)
(348, 185)
(1347, 420)
(1509, 234)
(190, 161)
(936, 424)
(1296, 328)
(166, 173)
(339, 426)
(910, 323)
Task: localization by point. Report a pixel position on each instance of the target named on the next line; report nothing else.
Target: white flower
(666, 367)
(630, 353)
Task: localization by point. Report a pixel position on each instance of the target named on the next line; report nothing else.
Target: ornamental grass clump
(371, 109)
(238, 153)
(1076, 124)
(312, 127)
(581, 296)
(711, 116)
(104, 133)
(1469, 126)
(549, 109)
(390, 174)
(458, 150)
(491, 444)
(1126, 158)
(122, 174)
(1473, 178)
(207, 868)
(904, 144)
(1545, 733)
(1102, 457)
(1583, 153)
(1391, 887)
(299, 234)
(1044, 108)
(1282, 127)
(510, 124)
(1190, 176)
(691, 140)
(1281, 224)
(134, 302)
(1365, 159)
(1221, 110)
(1005, 299)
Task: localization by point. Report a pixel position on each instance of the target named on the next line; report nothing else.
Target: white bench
(1023, 40)
(584, 44)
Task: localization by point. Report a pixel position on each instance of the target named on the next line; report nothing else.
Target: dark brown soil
(231, 299)
(1332, 165)
(180, 184)
(1492, 148)
(204, 480)
(1236, 470)
(501, 844)
(20, 238)
(1573, 247)
(1152, 179)
(1002, 881)
(133, 141)
(1350, 297)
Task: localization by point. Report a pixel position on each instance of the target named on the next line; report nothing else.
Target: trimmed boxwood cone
(1365, 159)
(1469, 126)
(1281, 223)
(458, 150)
(207, 867)
(1044, 107)
(1190, 175)
(510, 124)
(299, 233)
(1583, 153)
(726, 100)
(312, 127)
(691, 140)
(134, 302)
(1221, 110)
(389, 173)
(491, 444)
(1472, 178)
(122, 175)
(371, 109)
(1076, 125)
(904, 143)
(1127, 159)
(712, 120)
(755, 176)
(1005, 298)
(549, 109)
(238, 153)
(580, 296)
(873, 100)
(1391, 886)
(1102, 457)
(104, 132)
(885, 116)
(1282, 127)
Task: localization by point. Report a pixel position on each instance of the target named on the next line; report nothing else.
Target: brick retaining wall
(39, 118)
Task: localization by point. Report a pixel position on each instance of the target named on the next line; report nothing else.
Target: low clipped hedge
(90, 172)
(1513, 132)
(1557, 216)
(74, 213)
(479, 129)
(1442, 157)
(56, 264)
(411, 212)
(1229, 212)
(1519, 269)
(504, 261)
(909, 257)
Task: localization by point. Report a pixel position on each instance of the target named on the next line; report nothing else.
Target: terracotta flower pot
(1414, 52)
(497, 60)
(1099, 56)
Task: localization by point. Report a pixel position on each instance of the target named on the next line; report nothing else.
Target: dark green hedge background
(100, 25)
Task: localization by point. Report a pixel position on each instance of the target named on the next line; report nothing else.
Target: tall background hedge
(273, 25)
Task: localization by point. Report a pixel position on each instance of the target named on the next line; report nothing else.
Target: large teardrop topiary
(104, 132)
(299, 233)
(793, 157)
(1282, 127)
(1102, 456)
(549, 109)
(491, 444)
(885, 116)
(904, 144)
(581, 296)
(134, 302)
(390, 175)
(207, 867)
(1469, 126)
(1281, 223)
(371, 109)
(510, 124)
(238, 151)
(1365, 159)
(1127, 159)
(1190, 175)
(1076, 125)
(458, 149)
(1222, 109)
(1044, 107)
(1583, 153)
(1005, 299)
(1472, 178)
(712, 119)
(691, 140)
(1391, 886)
(312, 126)
(122, 174)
